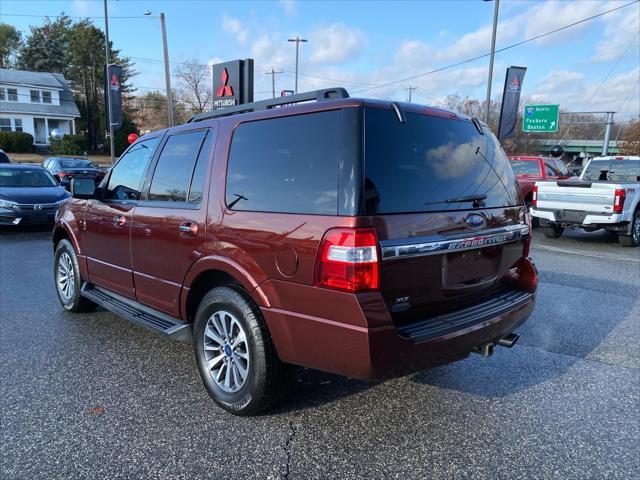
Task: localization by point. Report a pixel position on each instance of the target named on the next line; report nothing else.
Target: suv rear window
(428, 163)
(613, 170)
(286, 164)
(526, 167)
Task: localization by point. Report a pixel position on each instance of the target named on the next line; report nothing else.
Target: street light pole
(167, 71)
(107, 83)
(493, 51)
(297, 40)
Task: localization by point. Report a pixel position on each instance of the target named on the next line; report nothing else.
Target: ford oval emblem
(474, 220)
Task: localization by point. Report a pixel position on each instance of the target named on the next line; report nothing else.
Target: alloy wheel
(66, 276)
(226, 351)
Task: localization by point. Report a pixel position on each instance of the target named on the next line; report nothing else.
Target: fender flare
(223, 264)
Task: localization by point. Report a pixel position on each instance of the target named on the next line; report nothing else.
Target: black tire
(268, 379)
(73, 302)
(632, 240)
(552, 231)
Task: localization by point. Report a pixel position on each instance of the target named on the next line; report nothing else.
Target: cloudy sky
(372, 47)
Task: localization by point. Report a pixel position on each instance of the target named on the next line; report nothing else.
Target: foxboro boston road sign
(540, 118)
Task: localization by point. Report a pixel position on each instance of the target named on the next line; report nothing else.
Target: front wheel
(236, 359)
(553, 231)
(68, 281)
(632, 240)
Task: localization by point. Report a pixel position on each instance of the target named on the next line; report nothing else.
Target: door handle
(120, 220)
(188, 229)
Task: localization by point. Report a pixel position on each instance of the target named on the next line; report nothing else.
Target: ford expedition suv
(607, 195)
(360, 237)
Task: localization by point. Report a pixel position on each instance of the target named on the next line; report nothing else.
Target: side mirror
(83, 187)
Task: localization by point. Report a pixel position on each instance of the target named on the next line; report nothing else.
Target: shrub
(16, 142)
(70, 145)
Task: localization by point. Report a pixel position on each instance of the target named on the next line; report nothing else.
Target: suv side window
(126, 175)
(287, 164)
(549, 170)
(562, 168)
(175, 168)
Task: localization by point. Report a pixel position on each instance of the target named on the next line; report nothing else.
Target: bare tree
(195, 87)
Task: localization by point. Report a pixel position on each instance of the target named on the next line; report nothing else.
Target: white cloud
(235, 26)
(621, 28)
(335, 44)
(290, 7)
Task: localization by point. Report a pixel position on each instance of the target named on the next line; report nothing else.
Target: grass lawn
(102, 160)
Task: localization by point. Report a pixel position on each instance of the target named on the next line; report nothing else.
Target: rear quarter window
(525, 167)
(287, 165)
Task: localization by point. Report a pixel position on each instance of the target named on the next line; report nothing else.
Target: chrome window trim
(392, 250)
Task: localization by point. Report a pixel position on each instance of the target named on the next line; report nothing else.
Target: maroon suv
(361, 237)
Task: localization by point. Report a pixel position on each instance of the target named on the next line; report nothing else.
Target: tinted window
(174, 170)
(613, 170)
(200, 172)
(77, 163)
(126, 175)
(429, 163)
(10, 177)
(525, 167)
(286, 165)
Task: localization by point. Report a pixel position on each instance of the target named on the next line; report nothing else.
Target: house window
(12, 94)
(46, 97)
(17, 124)
(35, 96)
(3, 94)
(5, 124)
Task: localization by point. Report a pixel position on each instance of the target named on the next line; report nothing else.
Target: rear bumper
(579, 218)
(371, 353)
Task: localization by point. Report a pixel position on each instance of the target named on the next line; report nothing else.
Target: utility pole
(493, 51)
(297, 40)
(167, 72)
(607, 134)
(273, 80)
(411, 89)
(107, 84)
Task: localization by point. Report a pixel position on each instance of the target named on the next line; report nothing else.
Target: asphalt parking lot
(92, 396)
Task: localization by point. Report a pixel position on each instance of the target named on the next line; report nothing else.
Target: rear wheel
(236, 359)
(68, 281)
(632, 240)
(553, 231)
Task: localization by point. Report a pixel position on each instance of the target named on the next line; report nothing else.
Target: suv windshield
(25, 178)
(432, 164)
(77, 163)
(613, 170)
(526, 167)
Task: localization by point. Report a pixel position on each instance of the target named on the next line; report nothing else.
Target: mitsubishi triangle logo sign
(232, 83)
(224, 90)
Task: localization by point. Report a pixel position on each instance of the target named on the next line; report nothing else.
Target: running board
(137, 313)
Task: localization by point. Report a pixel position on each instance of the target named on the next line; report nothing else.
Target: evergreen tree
(46, 47)
(10, 41)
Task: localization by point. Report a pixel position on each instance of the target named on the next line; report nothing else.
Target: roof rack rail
(316, 95)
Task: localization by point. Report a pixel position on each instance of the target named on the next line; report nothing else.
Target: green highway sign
(540, 118)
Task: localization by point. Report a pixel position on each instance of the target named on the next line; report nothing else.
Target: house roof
(57, 81)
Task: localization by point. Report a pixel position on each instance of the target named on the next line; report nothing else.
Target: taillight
(64, 174)
(348, 260)
(523, 275)
(618, 200)
(534, 196)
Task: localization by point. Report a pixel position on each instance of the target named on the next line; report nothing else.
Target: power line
(508, 47)
(73, 17)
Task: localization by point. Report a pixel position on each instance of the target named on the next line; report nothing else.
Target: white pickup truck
(605, 196)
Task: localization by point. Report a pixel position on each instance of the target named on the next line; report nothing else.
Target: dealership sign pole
(232, 83)
(510, 101)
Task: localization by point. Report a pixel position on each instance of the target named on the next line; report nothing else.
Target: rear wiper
(476, 199)
(469, 198)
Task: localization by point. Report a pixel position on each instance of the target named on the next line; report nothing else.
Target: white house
(36, 103)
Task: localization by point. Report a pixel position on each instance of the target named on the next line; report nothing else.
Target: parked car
(65, 168)
(286, 236)
(28, 195)
(4, 158)
(531, 169)
(605, 196)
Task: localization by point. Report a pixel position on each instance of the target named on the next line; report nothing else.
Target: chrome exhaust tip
(509, 340)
